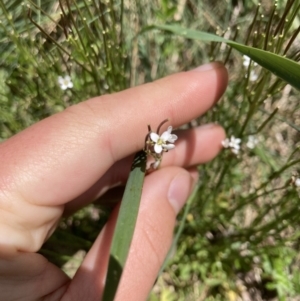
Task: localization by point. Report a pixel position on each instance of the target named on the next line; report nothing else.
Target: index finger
(60, 157)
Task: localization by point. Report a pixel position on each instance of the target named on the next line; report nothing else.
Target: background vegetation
(239, 235)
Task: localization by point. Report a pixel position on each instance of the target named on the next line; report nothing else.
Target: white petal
(70, 85)
(246, 60)
(165, 136)
(225, 143)
(158, 148)
(172, 138)
(297, 182)
(168, 146)
(236, 140)
(235, 151)
(155, 165)
(253, 76)
(154, 137)
(170, 129)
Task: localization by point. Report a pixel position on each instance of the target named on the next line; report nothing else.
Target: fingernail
(179, 190)
(207, 67)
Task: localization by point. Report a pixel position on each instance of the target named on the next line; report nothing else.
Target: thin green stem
(56, 43)
(270, 117)
(252, 24)
(76, 28)
(269, 28)
(230, 48)
(291, 41)
(254, 104)
(280, 25)
(221, 177)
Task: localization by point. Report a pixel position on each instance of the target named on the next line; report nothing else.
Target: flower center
(160, 141)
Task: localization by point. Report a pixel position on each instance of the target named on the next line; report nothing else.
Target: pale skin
(70, 159)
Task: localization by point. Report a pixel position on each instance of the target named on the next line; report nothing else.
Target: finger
(151, 242)
(67, 153)
(30, 276)
(194, 146)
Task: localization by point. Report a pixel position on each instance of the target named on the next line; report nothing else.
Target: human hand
(70, 159)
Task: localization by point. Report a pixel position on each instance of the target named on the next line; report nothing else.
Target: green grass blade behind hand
(125, 225)
(282, 67)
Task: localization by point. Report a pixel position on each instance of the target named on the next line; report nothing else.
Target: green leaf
(125, 225)
(284, 68)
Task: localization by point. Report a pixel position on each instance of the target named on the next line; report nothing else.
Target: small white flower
(232, 143)
(161, 142)
(247, 61)
(252, 141)
(297, 182)
(65, 82)
(253, 76)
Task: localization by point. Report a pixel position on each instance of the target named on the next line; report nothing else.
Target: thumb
(164, 193)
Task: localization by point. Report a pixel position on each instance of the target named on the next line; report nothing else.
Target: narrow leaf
(282, 67)
(125, 225)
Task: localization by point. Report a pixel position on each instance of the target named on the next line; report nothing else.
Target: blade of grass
(125, 225)
(284, 68)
